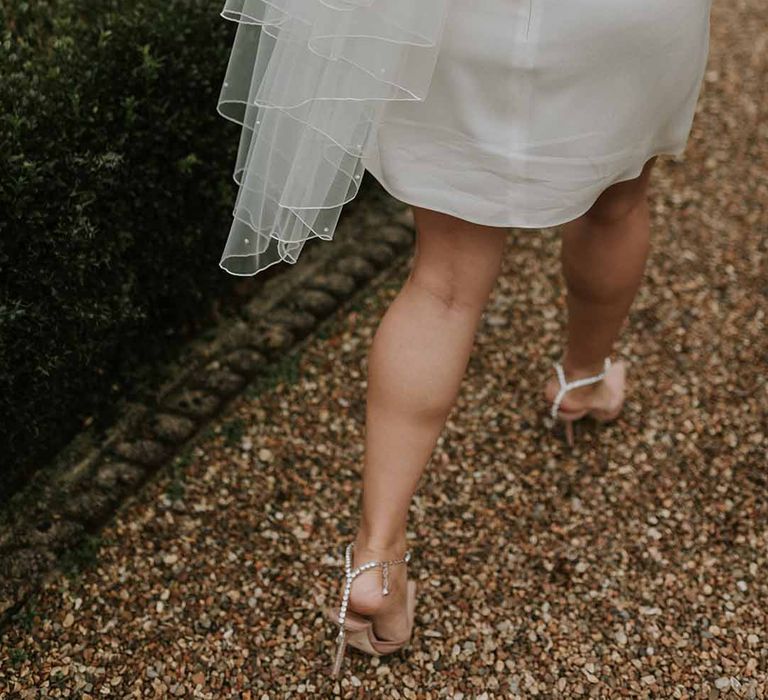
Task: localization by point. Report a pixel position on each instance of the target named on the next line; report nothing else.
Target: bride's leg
(415, 366)
(604, 254)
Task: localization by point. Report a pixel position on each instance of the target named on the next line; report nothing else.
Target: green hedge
(115, 201)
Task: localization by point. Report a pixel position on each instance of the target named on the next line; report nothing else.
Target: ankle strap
(565, 386)
(351, 574)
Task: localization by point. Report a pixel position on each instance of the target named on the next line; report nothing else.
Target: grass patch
(24, 618)
(232, 431)
(178, 472)
(284, 371)
(18, 656)
(81, 557)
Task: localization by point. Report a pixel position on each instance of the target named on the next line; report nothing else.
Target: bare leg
(415, 366)
(604, 253)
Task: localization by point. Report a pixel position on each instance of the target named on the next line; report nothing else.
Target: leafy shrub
(115, 201)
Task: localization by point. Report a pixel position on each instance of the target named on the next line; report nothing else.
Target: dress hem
(531, 222)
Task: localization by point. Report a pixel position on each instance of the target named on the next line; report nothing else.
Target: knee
(613, 209)
(447, 288)
(618, 201)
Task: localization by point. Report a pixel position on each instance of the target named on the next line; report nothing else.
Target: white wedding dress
(511, 113)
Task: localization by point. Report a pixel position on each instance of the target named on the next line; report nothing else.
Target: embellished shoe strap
(351, 574)
(567, 386)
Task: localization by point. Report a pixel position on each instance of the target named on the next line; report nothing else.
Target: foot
(365, 596)
(603, 399)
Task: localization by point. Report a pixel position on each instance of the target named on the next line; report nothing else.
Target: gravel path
(634, 566)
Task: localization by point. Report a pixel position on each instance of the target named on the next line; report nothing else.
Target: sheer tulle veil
(307, 81)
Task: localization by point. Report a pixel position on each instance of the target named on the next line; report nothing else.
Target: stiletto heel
(341, 638)
(357, 630)
(569, 432)
(570, 417)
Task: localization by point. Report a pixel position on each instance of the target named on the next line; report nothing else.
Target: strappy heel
(600, 414)
(357, 630)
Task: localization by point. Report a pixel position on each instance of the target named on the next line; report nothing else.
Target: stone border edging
(79, 500)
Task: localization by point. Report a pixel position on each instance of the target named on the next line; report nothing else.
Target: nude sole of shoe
(359, 628)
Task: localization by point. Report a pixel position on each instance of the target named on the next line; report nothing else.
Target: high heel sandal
(599, 414)
(357, 630)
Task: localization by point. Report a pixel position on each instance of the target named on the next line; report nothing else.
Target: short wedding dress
(511, 113)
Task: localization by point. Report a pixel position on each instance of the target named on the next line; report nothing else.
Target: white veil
(307, 80)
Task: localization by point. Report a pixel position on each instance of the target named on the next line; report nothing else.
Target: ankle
(381, 546)
(574, 371)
